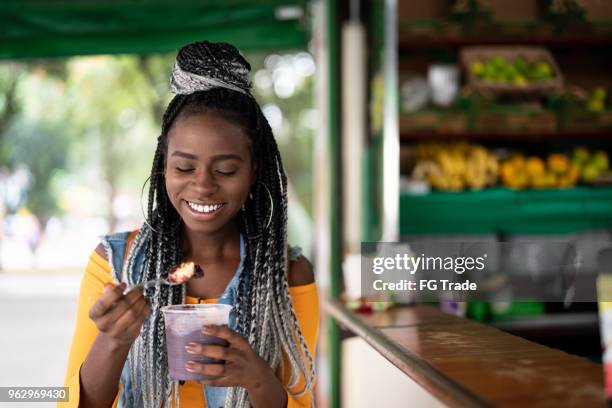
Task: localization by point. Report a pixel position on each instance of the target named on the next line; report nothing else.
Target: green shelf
(502, 210)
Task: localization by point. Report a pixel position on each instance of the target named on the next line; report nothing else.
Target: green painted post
(333, 131)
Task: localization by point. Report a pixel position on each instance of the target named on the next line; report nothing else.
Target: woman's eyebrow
(185, 155)
(213, 158)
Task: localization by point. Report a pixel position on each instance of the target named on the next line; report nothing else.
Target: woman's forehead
(208, 134)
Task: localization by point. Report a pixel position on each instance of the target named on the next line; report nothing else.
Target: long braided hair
(264, 311)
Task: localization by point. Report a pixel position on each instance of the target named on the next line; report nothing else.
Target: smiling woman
(218, 198)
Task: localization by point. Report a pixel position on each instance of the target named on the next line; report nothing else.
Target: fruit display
(584, 110)
(466, 166)
(596, 101)
(517, 71)
(502, 70)
(520, 172)
(456, 166)
(557, 171)
(591, 164)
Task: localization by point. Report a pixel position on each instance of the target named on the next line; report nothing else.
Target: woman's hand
(242, 368)
(119, 317)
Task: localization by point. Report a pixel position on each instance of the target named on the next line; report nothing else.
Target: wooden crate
(580, 120)
(510, 53)
(423, 10)
(512, 11)
(435, 122)
(596, 10)
(515, 121)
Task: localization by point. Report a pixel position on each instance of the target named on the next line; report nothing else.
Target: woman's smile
(204, 211)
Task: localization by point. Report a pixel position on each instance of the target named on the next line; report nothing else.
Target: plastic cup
(183, 326)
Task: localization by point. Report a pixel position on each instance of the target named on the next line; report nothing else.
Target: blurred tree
(10, 73)
(115, 103)
(295, 132)
(155, 70)
(41, 148)
(98, 118)
(36, 144)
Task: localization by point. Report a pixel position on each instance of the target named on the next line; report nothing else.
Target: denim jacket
(115, 245)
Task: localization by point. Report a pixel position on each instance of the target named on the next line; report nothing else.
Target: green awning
(39, 28)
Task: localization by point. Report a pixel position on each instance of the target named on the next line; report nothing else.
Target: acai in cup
(183, 326)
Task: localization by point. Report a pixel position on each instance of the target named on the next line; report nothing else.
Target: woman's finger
(133, 315)
(217, 370)
(126, 330)
(134, 327)
(109, 296)
(209, 350)
(124, 303)
(127, 327)
(225, 333)
(121, 306)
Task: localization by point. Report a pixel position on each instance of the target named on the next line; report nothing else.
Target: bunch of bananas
(456, 166)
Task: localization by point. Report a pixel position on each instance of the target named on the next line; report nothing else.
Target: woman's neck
(205, 247)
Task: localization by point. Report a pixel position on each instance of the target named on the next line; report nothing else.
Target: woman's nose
(205, 181)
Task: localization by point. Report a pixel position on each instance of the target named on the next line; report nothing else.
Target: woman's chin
(205, 224)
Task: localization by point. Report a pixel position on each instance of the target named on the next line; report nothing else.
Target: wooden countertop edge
(440, 386)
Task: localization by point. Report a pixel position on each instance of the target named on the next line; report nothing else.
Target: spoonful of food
(183, 272)
(178, 275)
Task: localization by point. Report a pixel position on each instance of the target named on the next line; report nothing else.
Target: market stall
(486, 121)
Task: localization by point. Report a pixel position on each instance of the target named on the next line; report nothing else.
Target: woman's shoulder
(300, 269)
(101, 250)
(124, 235)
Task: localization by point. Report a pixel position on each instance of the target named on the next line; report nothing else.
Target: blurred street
(37, 318)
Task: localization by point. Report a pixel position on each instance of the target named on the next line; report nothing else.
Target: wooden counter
(468, 364)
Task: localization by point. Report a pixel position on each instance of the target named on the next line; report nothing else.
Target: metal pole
(391, 173)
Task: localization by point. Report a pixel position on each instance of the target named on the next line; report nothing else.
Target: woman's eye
(225, 173)
(186, 170)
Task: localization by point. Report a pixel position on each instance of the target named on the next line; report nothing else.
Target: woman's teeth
(204, 209)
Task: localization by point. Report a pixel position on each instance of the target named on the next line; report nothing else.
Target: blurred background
(78, 135)
(397, 120)
(488, 121)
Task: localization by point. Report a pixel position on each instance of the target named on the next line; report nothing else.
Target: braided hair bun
(204, 65)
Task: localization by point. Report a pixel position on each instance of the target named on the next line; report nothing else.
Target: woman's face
(209, 170)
